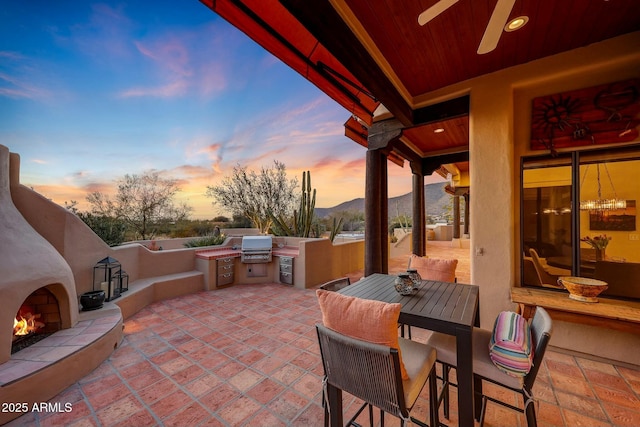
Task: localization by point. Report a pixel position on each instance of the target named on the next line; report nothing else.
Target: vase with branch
(599, 243)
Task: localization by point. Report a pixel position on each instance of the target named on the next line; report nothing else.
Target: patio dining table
(450, 308)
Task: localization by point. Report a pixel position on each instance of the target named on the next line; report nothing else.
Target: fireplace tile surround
(58, 345)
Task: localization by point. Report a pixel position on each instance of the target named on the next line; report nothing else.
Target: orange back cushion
(366, 320)
(440, 269)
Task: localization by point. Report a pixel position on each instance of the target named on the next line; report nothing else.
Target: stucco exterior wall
(499, 128)
(607, 62)
(81, 248)
(323, 261)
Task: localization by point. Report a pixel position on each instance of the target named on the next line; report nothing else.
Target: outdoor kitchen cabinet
(286, 270)
(224, 271)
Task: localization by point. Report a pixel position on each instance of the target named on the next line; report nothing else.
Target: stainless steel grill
(256, 249)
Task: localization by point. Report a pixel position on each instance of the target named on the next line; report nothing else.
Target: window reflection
(605, 241)
(547, 223)
(609, 250)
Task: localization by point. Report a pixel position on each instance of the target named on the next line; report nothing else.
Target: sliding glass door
(578, 214)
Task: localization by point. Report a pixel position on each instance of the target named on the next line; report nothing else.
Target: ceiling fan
(494, 28)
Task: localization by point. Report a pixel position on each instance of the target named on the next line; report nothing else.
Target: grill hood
(260, 243)
(256, 249)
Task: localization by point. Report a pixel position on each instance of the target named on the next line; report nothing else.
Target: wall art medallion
(599, 115)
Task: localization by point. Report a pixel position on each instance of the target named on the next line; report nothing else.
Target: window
(576, 198)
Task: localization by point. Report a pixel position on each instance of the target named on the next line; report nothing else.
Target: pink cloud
(173, 89)
(213, 79)
(18, 87)
(170, 54)
(192, 171)
(180, 68)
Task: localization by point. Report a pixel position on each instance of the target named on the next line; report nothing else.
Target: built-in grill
(256, 249)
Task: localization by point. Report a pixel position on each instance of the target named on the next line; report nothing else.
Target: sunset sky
(90, 92)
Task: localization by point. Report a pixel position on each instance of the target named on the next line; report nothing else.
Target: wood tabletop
(439, 306)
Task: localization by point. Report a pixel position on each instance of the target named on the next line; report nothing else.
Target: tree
(110, 230)
(254, 195)
(144, 202)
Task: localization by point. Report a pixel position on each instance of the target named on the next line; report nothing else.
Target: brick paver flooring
(247, 356)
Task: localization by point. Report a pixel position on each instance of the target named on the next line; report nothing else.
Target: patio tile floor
(247, 356)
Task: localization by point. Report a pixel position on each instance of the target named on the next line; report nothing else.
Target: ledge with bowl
(611, 313)
(582, 288)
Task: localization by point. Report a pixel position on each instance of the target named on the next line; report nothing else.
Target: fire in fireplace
(26, 323)
(37, 318)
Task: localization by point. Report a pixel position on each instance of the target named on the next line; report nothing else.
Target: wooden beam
(432, 164)
(457, 107)
(382, 134)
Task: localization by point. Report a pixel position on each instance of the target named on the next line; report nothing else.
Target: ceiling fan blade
(435, 10)
(496, 25)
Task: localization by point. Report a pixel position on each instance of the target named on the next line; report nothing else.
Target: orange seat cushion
(366, 320)
(443, 270)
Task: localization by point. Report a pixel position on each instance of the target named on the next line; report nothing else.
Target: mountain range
(437, 203)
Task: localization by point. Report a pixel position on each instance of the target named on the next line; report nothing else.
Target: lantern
(121, 280)
(105, 277)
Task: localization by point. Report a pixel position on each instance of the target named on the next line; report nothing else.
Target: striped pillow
(510, 346)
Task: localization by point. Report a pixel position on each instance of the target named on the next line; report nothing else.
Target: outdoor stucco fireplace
(28, 263)
(40, 298)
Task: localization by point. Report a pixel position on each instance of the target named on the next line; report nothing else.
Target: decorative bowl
(414, 276)
(403, 284)
(582, 288)
(92, 300)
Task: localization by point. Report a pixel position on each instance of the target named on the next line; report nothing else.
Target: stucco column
(418, 235)
(456, 217)
(491, 178)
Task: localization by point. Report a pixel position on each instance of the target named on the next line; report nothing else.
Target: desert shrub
(206, 241)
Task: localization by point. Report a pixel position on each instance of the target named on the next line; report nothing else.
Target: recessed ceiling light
(516, 23)
(438, 130)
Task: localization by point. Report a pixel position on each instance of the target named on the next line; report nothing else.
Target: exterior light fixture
(438, 130)
(516, 23)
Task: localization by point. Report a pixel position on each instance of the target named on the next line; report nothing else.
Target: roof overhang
(270, 25)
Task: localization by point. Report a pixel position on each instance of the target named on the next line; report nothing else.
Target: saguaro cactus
(303, 217)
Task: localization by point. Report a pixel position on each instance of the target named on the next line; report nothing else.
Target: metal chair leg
(371, 415)
(325, 408)
(445, 389)
(352, 421)
(530, 412)
(484, 409)
(433, 398)
(402, 326)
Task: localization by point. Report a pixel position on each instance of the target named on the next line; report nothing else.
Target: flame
(24, 325)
